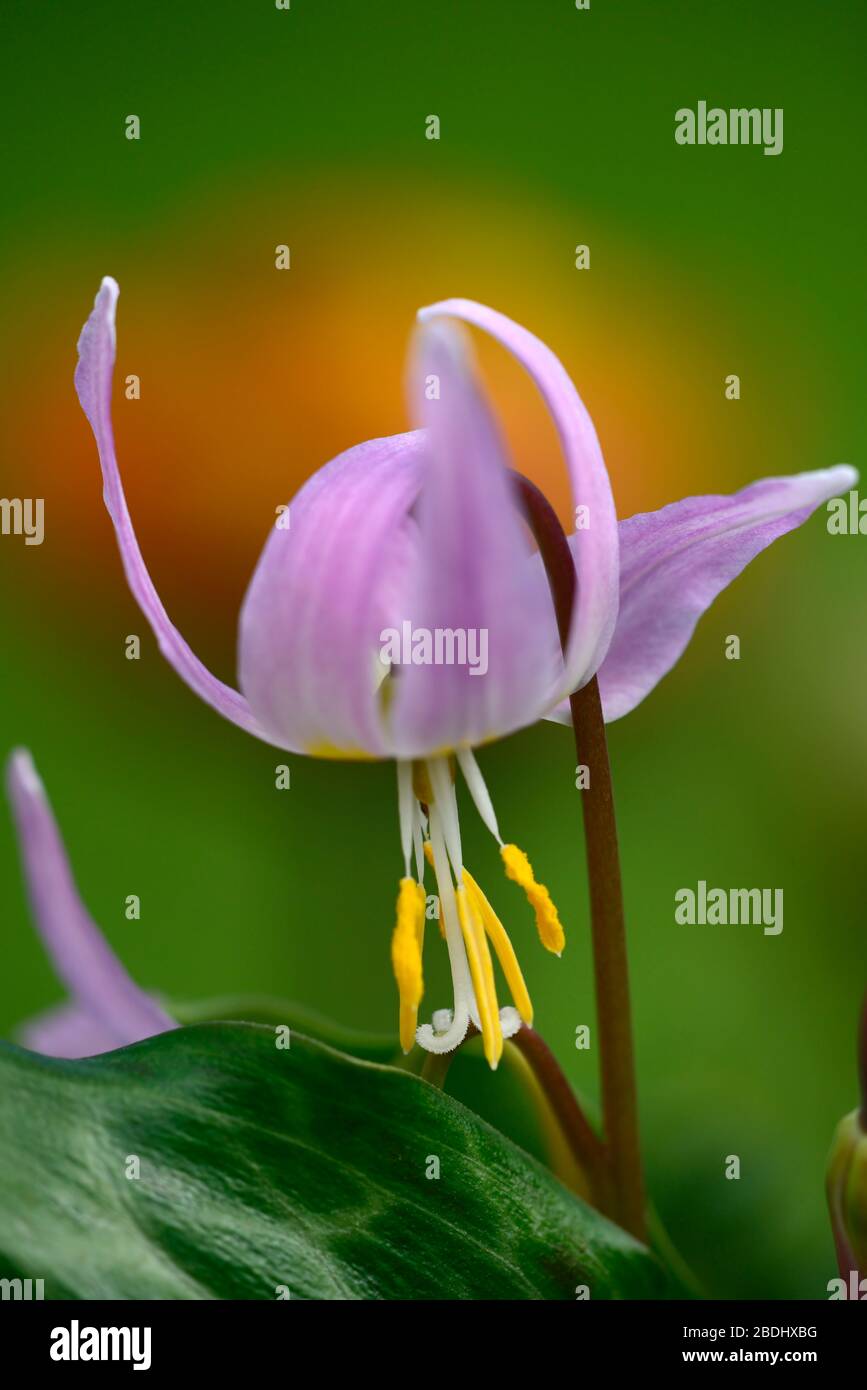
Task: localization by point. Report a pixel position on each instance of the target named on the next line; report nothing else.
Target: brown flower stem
(436, 1066)
(576, 1128)
(617, 1063)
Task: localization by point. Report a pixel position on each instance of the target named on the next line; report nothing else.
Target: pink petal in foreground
(675, 561)
(472, 573)
(96, 347)
(79, 953)
(595, 548)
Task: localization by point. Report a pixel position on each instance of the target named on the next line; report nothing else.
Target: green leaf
(262, 1167)
(504, 1105)
(266, 1008)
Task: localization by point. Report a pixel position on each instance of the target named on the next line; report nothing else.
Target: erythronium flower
(106, 1009)
(423, 530)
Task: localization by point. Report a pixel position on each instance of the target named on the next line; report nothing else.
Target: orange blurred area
(253, 377)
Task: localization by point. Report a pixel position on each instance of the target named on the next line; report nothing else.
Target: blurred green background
(306, 127)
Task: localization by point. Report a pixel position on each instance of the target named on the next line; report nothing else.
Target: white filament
(455, 1033)
(446, 804)
(478, 791)
(405, 808)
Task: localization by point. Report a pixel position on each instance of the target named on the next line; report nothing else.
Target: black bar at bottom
(250, 1339)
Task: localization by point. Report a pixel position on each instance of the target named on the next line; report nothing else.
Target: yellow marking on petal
(504, 949)
(331, 751)
(520, 871)
(482, 971)
(406, 944)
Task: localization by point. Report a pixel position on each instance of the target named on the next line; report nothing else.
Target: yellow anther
(406, 944)
(519, 869)
(503, 947)
(482, 972)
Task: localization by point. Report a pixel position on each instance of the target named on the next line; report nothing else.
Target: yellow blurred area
(253, 377)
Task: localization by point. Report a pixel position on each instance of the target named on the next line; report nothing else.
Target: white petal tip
(22, 774)
(845, 476)
(105, 299)
(438, 335)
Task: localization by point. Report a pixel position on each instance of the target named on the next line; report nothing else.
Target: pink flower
(409, 548)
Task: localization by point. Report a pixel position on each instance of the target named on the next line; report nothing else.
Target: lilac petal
(81, 958)
(596, 546)
(93, 383)
(322, 593)
(473, 574)
(675, 562)
(67, 1031)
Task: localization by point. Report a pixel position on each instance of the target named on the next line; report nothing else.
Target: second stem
(608, 929)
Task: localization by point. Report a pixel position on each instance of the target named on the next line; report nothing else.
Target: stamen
(405, 804)
(443, 786)
(418, 841)
(482, 971)
(519, 870)
(406, 949)
(456, 1032)
(503, 947)
(478, 791)
(428, 854)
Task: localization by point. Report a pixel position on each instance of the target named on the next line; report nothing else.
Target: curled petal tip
(596, 560)
(438, 334)
(93, 376)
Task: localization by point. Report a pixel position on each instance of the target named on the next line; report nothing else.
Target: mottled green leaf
(263, 1167)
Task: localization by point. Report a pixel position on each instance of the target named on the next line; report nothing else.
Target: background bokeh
(306, 127)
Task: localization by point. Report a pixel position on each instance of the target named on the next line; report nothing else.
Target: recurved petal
(96, 350)
(493, 662)
(675, 561)
(328, 583)
(94, 976)
(595, 547)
